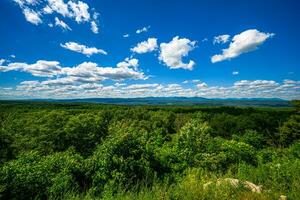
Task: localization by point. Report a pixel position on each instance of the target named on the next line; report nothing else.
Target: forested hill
(272, 102)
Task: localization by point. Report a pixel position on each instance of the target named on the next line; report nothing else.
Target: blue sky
(133, 48)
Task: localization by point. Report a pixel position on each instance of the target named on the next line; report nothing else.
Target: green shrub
(34, 176)
(122, 160)
(290, 130)
(251, 137)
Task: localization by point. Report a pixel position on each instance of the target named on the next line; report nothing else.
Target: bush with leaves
(290, 130)
(191, 141)
(251, 137)
(32, 176)
(123, 160)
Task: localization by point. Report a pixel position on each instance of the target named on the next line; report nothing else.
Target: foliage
(35, 176)
(290, 130)
(94, 151)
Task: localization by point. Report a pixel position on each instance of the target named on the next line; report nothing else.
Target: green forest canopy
(75, 151)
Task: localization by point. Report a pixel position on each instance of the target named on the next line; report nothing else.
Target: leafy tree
(290, 130)
(296, 104)
(86, 131)
(223, 125)
(6, 149)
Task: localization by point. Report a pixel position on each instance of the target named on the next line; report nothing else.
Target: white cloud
(196, 81)
(2, 61)
(61, 24)
(145, 46)
(86, 72)
(88, 51)
(221, 39)
(32, 16)
(94, 23)
(58, 6)
(244, 42)
(41, 68)
(171, 53)
(235, 73)
(94, 27)
(79, 11)
(133, 62)
(26, 2)
(76, 10)
(191, 81)
(201, 85)
(126, 35)
(47, 10)
(85, 85)
(142, 86)
(92, 70)
(143, 30)
(256, 85)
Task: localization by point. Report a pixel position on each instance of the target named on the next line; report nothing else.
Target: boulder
(235, 183)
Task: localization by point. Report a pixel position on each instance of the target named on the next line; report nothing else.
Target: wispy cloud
(61, 24)
(80, 48)
(143, 30)
(221, 39)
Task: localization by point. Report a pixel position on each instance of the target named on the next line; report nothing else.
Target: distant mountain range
(273, 102)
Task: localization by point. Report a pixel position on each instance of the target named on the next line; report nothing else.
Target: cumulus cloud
(202, 85)
(86, 72)
(133, 62)
(79, 11)
(41, 68)
(126, 35)
(58, 6)
(221, 39)
(89, 72)
(143, 30)
(256, 84)
(94, 23)
(94, 27)
(47, 10)
(61, 24)
(76, 10)
(88, 51)
(32, 16)
(171, 53)
(244, 42)
(145, 46)
(235, 73)
(82, 85)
